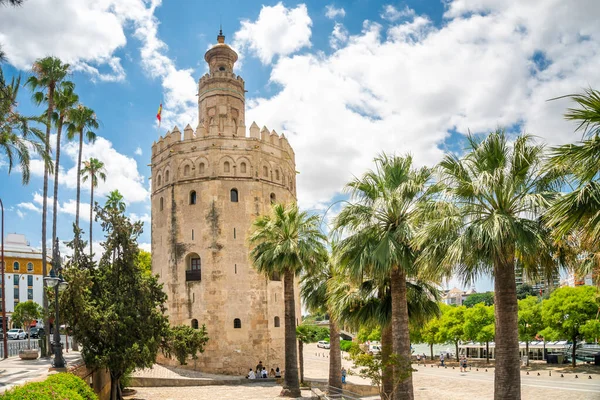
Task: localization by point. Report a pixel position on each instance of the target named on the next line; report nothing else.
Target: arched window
(186, 170)
(194, 324)
(237, 323)
(277, 174)
(243, 168)
(16, 266)
(226, 166)
(167, 176)
(161, 204)
(234, 195)
(159, 180)
(193, 267)
(201, 168)
(273, 198)
(29, 267)
(266, 171)
(276, 322)
(193, 197)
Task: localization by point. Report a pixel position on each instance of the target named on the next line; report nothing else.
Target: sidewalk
(14, 371)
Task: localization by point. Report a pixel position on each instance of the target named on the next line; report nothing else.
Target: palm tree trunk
(335, 355)
(45, 205)
(507, 379)
(431, 350)
(291, 355)
(56, 170)
(487, 352)
(403, 388)
(456, 347)
(91, 206)
(527, 351)
(301, 359)
(78, 188)
(387, 381)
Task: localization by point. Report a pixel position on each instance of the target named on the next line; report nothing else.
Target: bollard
(486, 370)
(538, 374)
(589, 377)
(549, 373)
(576, 377)
(527, 373)
(477, 369)
(562, 376)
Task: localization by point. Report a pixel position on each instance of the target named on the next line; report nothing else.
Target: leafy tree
(430, 334)
(288, 242)
(530, 320)
(313, 289)
(64, 99)
(305, 334)
(570, 313)
(183, 341)
(25, 314)
(82, 120)
(486, 298)
(115, 310)
(48, 73)
(452, 324)
(379, 222)
(144, 262)
(485, 219)
(93, 169)
(369, 333)
(525, 290)
(17, 136)
(479, 326)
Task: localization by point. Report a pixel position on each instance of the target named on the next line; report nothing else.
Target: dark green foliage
(61, 386)
(525, 290)
(486, 298)
(184, 341)
(116, 311)
(349, 346)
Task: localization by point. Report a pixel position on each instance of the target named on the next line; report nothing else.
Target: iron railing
(193, 275)
(15, 346)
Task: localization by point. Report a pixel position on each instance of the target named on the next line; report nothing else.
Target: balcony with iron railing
(192, 275)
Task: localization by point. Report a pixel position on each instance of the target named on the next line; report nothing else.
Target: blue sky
(343, 80)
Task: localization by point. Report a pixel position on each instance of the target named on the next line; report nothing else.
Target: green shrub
(41, 391)
(61, 386)
(348, 345)
(74, 383)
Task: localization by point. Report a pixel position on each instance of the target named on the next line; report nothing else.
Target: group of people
(261, 372)
(462, 361)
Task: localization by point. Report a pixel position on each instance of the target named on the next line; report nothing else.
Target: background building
(23, 275)
(207, 189)
(456, 296)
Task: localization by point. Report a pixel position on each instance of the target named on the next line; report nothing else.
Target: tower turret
(221, 94)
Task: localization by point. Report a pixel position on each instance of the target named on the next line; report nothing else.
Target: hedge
(346, 345)
(61, 386)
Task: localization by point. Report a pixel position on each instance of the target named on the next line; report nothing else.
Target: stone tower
(207, 188)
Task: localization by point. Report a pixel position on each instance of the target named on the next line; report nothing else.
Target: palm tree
(379, 224)
(575, 216)
(93, 169)
(485, 219)
(313, 290)
(16, 133)
(115, 201)
(64, 99)
(81, 121)
(287, 242)
(305, 335)
(48, 73)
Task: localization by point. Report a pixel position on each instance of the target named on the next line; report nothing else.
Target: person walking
(463, 363)
(442, 359)
(343, 375)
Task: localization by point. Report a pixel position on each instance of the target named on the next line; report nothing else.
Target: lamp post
(56, 281)
(4, 335)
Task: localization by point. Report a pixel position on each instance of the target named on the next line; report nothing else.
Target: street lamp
(56, 281)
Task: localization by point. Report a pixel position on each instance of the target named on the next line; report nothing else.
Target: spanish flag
(158, 113)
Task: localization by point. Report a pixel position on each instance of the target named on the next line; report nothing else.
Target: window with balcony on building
(29, 267)
(16, 266)
(194, 268)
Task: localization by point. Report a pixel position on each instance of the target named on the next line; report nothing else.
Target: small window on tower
(243, 168)
(161, 204)
(193, 197)
(237, 323)
(276, 322)
(186, 170)
(277, 174)
(201, 168)
(226, 166)
(234, 195)
(222, 68)
(167, 177)
(266, 171)
(194, 324)
(273, 198)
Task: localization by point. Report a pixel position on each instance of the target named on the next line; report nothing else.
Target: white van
(323, 344)
(375, 347)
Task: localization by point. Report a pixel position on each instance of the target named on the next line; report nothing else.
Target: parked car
(36, 333)
(323, 344)
(17, 334)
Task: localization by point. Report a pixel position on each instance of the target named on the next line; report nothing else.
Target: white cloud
(145, 246)
(145, 218)
(21, 214)
(29, 206)
(404, 87)
(121, 171)
(391, 13)
(331, 12)
(138, 151)
(278, 31)
(68, 207)
(338, 37)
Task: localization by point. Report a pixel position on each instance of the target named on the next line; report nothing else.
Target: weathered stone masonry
(207, 188)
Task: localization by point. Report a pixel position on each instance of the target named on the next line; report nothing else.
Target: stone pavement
(253, 391)
(14, 371)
